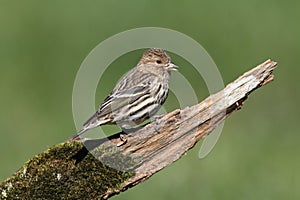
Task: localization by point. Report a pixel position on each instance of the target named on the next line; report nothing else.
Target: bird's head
(157, 57)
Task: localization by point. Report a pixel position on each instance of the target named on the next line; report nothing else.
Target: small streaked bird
(138, 95)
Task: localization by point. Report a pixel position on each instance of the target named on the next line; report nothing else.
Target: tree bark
(98, 169)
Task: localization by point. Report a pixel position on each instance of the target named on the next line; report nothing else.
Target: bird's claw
(123, 138)
(156, 122)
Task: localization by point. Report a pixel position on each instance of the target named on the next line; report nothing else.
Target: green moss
(113, 157)
(54, 175)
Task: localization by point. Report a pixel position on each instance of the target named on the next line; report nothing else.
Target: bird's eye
(158, 61)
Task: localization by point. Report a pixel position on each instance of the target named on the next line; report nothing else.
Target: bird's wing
(122, 98)
(119, 99)
(131, 87)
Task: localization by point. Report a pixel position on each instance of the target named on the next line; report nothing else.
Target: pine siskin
(138, 95)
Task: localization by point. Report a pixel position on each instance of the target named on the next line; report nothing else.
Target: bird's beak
(172, 67)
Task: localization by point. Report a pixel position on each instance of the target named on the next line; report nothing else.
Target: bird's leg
(124, 134)
(156, 121)
(123, 138)
(157, 117)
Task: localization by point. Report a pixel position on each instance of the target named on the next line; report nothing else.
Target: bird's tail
(76, 137)
(92, 122)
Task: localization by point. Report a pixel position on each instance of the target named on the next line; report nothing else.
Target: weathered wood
(146, 151)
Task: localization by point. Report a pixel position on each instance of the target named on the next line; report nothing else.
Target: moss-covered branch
(70, 171)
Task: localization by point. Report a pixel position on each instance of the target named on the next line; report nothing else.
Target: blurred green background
(43, 43)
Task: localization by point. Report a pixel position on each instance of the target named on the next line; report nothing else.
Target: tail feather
(75, 137)
(93, 122)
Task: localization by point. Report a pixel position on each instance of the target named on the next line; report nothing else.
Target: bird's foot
(123, 138)
(156, 122)
(157, 117)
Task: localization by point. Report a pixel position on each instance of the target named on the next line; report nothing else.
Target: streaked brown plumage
(138, 95)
